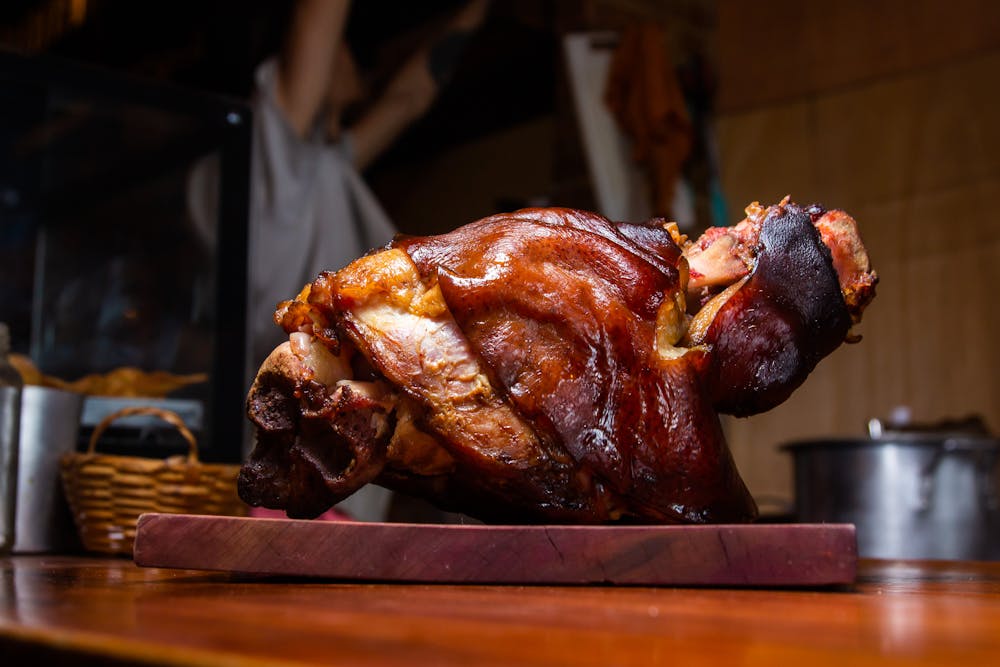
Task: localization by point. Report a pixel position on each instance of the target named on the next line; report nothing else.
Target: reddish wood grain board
(716, 555)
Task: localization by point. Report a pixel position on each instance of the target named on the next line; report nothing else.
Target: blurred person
(310, 210)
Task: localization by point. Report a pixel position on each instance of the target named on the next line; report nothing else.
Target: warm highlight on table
(108, 611)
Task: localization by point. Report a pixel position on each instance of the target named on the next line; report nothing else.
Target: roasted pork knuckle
(549, 365)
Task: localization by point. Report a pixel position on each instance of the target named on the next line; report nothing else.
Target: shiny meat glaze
(551, 366)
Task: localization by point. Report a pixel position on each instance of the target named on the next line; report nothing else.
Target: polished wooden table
(108, 611)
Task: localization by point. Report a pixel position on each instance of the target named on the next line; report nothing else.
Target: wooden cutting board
(714, 555)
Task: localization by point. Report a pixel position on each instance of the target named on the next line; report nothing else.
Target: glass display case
(123, 207)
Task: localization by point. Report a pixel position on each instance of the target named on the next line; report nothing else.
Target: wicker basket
(107, 493)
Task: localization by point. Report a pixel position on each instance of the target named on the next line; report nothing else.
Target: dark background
(507, 75)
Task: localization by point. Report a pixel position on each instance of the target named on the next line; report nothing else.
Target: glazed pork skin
(551, 366)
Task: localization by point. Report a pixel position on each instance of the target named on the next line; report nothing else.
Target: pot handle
(986, 469)
(925, 486)
(986, 473)
(985, 460)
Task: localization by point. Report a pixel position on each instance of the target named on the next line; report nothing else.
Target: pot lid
(953, 434)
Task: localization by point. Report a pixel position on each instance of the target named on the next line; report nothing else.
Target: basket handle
(168, 416)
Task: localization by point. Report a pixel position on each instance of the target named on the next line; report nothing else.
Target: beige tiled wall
(779, 50)
(915, 156)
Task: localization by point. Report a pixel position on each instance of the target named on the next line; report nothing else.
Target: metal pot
(910, 495)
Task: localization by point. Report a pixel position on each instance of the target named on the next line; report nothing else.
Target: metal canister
(50, 421)
(10, 415)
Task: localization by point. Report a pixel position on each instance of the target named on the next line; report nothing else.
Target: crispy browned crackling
(550, 365)
(808, 280)
(562, 308)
